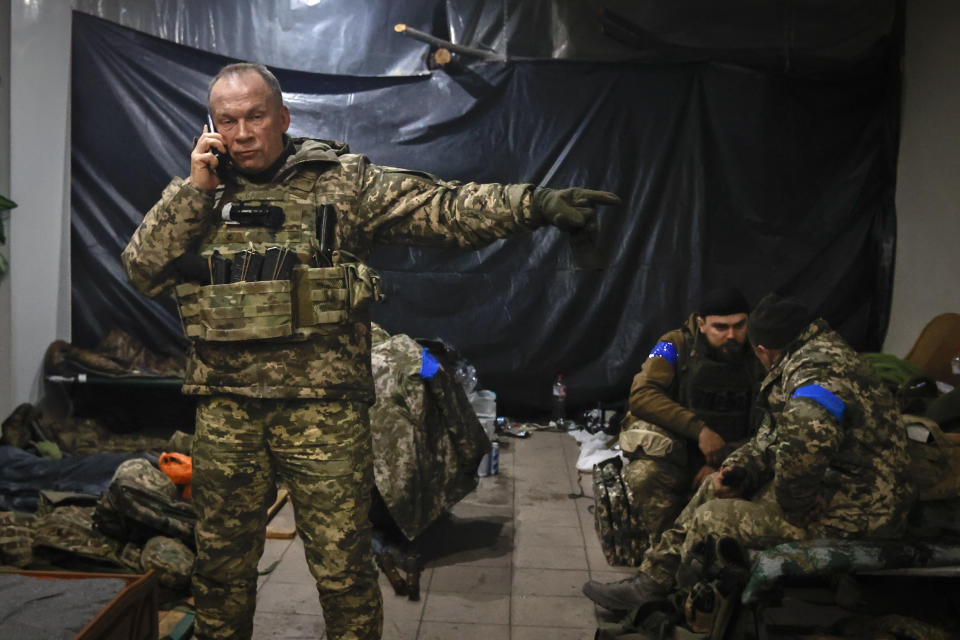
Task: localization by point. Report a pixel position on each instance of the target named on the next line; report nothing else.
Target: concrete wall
(927, 275)
(39, 250)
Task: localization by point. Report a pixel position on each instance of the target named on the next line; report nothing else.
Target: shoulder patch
(665, 350)
(429, 365)
(824, 397)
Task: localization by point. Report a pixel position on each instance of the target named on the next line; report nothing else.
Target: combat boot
(389, 568)
(626, 594)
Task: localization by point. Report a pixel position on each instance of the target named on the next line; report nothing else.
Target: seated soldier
(828, 460)
(689, 407)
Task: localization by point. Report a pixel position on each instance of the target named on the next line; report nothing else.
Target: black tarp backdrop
(767, 179)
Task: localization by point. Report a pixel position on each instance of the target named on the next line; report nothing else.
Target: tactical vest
(717, 392)
(280, 310)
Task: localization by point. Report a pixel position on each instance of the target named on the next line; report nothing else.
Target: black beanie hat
(776, 321)
(725, 301)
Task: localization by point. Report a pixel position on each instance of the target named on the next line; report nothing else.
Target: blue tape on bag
(665, 350)
(824, 397)
(428, 365)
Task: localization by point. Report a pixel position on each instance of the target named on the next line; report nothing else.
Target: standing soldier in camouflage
(280, 357)
(828, 459)
(689, 407)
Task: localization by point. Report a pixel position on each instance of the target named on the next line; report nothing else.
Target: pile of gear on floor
(76, 495)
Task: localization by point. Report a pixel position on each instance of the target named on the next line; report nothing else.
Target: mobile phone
(224, 164)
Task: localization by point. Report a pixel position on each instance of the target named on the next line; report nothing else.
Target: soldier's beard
(729, 351)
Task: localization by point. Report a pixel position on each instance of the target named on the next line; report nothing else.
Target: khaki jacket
(375, 205)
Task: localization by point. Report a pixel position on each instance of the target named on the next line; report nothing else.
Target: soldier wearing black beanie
(689, 407)
(724, 301)
(776, 321)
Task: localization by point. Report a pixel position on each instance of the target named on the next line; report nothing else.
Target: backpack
(622, 539)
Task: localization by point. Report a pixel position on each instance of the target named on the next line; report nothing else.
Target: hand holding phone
(208, 172)
(224, 163)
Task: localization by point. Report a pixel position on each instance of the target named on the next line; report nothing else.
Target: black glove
(571, 209)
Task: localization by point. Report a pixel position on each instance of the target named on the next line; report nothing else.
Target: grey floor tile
(548, 484)
(400, 629)
(548, 582)
(539, 441)
(471, 579)
(288, 597)
(401, 608)
(585, 509)
(548, 535)
(494, 490)
(463, 631)
(490, 572)
(273, 551)
(551, 471)
(552, 611)
(582, 485)
(532, 495)
(550, 633)
(561, 514)
(538, 557)
(293, 566)
(470, 608)
(286, 626)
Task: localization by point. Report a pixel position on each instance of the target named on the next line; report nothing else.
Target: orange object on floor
(179, 468)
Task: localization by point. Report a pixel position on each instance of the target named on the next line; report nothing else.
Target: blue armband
(665, 350)
(824, 397)
(428, 365)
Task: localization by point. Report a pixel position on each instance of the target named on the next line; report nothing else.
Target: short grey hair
(240, 68)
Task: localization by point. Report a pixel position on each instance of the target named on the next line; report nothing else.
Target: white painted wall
(39, 278)
(927, 274)
(6, 390)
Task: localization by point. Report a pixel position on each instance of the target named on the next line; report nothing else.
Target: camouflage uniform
(297, 410)
(670, 402)
(830, 443)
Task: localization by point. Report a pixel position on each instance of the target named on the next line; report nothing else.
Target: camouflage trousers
(322, 452)
(659, 474)
(756, 524)
(660, 488)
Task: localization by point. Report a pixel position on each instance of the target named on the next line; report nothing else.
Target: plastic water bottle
(559, 400)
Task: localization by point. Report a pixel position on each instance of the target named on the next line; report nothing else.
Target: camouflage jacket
(655, 395)
(427, 440)
(830, 438)
(375, 205)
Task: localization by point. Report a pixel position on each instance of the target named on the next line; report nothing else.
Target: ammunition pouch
(289, 310)
(237, 311)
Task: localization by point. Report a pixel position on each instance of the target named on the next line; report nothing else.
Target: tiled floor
(507, 564)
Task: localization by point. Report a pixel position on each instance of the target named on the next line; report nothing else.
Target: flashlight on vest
(253, 214)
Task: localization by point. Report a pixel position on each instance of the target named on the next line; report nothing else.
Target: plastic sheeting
(351, 38)
(730, 175)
